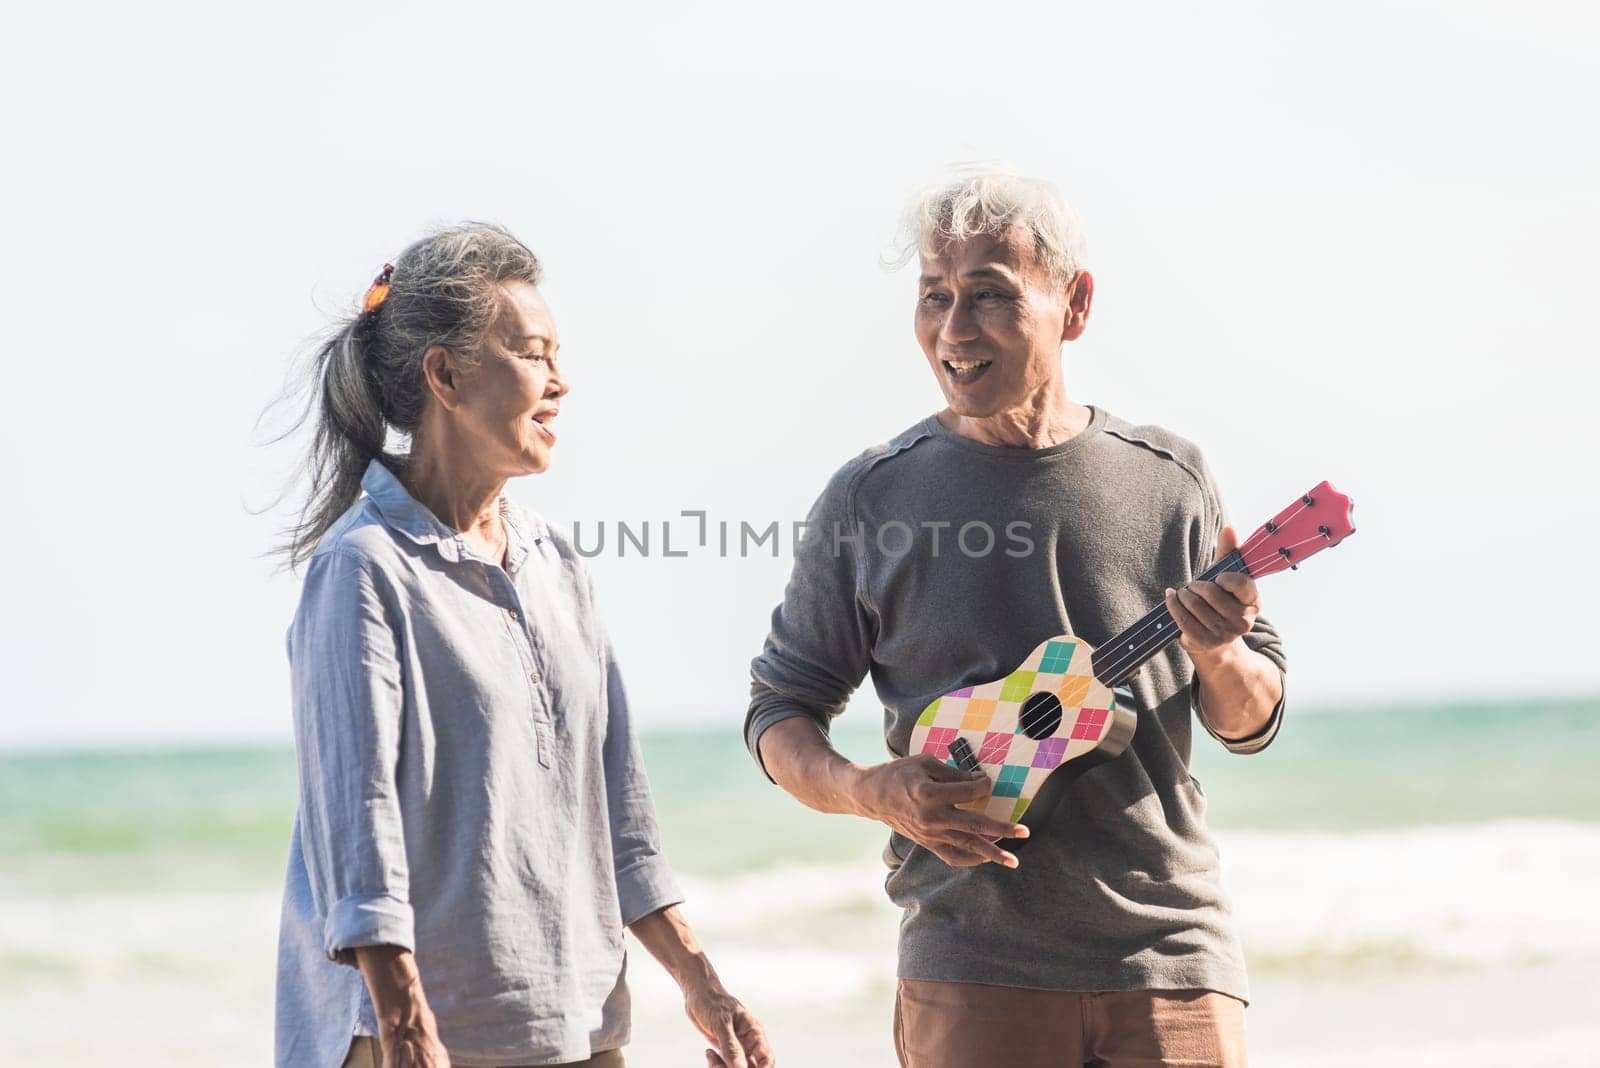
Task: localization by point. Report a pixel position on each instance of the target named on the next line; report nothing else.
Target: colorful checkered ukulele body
(1065, 709)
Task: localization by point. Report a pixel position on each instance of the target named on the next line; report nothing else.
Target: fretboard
(1116, 661)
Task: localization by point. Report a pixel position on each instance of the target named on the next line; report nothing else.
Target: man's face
(991, 321)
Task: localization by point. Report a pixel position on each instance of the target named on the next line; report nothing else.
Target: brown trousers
(366, 1053)
(970, 1025)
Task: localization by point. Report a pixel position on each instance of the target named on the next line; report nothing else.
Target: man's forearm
(1239, 688)
(799, 757)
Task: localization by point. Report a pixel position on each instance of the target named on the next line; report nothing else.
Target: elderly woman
(475, 828)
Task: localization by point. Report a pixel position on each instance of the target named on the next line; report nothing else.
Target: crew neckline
(1097, 422)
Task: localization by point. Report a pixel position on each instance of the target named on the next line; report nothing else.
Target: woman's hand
(736, 1036)
(413, 1048)
(408, 1033)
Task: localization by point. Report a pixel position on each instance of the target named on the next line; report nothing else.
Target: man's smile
(965, 372)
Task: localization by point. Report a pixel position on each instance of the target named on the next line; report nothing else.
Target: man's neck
(1027, 426)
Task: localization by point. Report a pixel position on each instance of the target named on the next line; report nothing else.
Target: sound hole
(1041, 716)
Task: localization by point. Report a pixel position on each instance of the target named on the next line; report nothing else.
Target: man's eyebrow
(991, 272)
(997, 273)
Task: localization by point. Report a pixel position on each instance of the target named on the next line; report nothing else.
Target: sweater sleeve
(820, 645)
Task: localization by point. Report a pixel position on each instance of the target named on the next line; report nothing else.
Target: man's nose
(959, 323)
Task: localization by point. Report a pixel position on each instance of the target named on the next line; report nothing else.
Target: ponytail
(443, 290)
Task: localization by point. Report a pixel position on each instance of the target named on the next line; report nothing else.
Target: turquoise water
(1404, 846)
(219, 818)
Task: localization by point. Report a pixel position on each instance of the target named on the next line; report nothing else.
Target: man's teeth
(967, 365)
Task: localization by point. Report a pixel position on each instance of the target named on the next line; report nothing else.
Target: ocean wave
(1513, 892)
(1509, 893)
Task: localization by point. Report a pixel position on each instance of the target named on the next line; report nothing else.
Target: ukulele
(1066, 709)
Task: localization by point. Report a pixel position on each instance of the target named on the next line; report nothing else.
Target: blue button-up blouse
(470, 789)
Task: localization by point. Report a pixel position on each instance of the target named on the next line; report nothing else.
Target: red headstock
(1320, 518)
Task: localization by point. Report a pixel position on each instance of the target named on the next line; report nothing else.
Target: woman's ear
(442, 375)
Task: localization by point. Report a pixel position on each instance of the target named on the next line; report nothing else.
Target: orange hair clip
(378, 292)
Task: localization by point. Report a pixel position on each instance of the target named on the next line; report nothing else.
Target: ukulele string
(1144, 640)
(1147, 634)
(1158, 616)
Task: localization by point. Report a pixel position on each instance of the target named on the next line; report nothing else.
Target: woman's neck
(462, 496)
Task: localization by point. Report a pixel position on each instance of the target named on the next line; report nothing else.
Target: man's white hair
(989, 198)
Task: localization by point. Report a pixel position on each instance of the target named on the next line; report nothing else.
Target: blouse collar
(404, 513)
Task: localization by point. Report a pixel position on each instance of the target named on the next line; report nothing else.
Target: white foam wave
(1508, 892)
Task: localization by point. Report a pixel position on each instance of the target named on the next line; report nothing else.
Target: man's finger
(1190, 626)
(1227, 541)
(1243, 587)
(1211, 622)
(977, 823)
(1229, 609)
(987, 850)
(956, 793)
(714, 1061)
(939, 771)
(956, 858)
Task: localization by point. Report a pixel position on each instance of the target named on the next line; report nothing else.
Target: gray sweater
(935, 562)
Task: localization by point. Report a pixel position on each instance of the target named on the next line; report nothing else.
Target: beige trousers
(365, 1053)
(970, 1025)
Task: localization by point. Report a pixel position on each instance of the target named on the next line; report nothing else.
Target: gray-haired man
(1111, 942)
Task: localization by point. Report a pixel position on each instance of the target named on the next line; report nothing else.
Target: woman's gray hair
(989, 198)
(366, 375)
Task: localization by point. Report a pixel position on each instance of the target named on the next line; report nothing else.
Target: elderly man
(938, 561)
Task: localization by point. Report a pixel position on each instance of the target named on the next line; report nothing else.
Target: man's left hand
(1212, 615)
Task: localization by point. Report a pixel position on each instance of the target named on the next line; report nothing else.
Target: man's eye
(991, 294)
(934, 298)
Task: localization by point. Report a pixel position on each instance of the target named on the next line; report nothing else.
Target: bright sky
(1351, 242)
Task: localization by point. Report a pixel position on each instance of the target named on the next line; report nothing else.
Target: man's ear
(1080, 294)
(442, 376)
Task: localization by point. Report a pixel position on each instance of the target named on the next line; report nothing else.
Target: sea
(1414, 884)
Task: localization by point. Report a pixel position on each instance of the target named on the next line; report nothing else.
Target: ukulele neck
(1120, 658)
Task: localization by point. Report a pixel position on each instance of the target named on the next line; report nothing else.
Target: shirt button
(533, 676)
(514, 614)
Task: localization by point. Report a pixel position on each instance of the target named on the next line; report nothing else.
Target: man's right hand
(916, 796)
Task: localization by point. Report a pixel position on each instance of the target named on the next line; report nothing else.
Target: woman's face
(511, 398)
